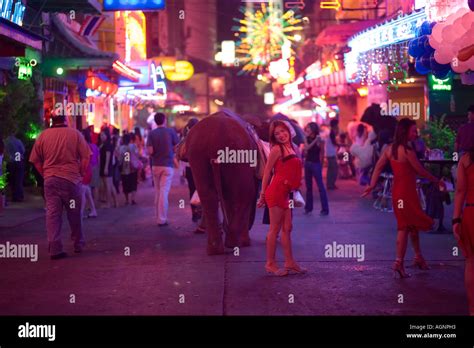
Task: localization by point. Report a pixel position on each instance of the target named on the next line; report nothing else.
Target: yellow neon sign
(331, 5)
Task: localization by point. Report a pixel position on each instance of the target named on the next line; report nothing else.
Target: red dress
(406, 203)
(467, 224)
(286, 169)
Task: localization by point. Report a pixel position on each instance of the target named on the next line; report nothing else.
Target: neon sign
(331, 5)
(25, 68)
(134, 5)
(441, 85)
(12, 11)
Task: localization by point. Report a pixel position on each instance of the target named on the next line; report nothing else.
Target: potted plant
(3, 186)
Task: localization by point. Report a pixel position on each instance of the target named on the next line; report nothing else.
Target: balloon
(433, 43)
(414, 50)
(428, 48)
(467, 20)
(420, 68)
(459, 67)
(442, 58)
(471, 4)
(437, 66)
(432, 25)
(425, 28)
(437, 31)
(425, 61)
(441, 74)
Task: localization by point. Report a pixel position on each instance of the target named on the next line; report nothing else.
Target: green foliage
(437, 135)
(3, 177)
(19, 107)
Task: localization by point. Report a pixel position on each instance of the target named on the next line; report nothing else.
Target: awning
(14, 39)
(83, 6)
(82, 44)
(339, 34)
(332, 85)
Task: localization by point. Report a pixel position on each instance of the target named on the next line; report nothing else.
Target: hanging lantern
(92, 82)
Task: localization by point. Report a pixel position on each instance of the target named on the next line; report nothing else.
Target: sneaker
(324, 213)
(134, 203)
(307, 212)
(61, 255)
(163, 225)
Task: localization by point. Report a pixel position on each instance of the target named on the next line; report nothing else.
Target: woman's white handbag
(298, 199)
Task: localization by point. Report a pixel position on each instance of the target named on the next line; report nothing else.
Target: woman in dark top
(314, 157)
(106, 168)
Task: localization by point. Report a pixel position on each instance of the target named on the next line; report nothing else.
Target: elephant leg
(214, 233)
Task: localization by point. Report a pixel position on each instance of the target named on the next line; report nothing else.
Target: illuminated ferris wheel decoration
(262, 35)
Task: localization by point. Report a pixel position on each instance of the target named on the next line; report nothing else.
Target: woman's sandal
(296, 269)
(280, 272)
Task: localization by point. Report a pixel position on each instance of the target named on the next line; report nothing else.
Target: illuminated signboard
(134, 5)
(441, 85)
(175, 70)
(14, 11)
(331, 5)
(398, 30)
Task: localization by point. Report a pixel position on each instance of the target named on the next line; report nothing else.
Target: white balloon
(436, 33)
(467, 20)
(459, 67)
(433, 43)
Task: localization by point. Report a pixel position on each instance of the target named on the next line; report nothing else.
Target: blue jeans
(315, 170)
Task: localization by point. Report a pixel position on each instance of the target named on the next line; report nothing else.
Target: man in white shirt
(151, 118)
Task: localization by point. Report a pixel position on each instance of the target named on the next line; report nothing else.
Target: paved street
(169, 273)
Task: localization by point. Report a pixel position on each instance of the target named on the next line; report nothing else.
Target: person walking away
(463, 219)
(406, 204)
(128, 155)
(344, 157)
(87, 179)
(14, 156)
(160, 145)
(314, 158)
(61, 155)
(95, 166)
(106, 167)
(331, 155)
(287, 169)
(115, 159)
(140, 143)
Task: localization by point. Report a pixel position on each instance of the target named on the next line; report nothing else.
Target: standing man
(160, 145)
(15, 156)
(465, 133)
(61, 155)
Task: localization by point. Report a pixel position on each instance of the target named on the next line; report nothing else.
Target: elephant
(233, 186)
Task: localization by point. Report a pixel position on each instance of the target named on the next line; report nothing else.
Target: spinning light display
(262, 34)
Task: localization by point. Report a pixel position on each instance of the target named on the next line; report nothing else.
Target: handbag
(298, 199)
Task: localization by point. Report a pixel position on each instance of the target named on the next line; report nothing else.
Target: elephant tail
(218, 182)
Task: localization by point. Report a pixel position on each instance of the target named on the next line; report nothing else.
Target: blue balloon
(428, 48)
(414, 50)
(420, 68)
(425, 61)
(435, 66)
(432, 25)
(441, 74)
(425, 28)
(471, 4)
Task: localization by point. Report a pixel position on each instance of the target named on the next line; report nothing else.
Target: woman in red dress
(463, 221)
(287, 177)
(406, 204)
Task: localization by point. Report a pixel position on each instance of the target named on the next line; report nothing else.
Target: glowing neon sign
(134, 5)
(12, 11)
(331, 5)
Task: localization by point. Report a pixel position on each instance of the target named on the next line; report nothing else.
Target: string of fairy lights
(387, 65)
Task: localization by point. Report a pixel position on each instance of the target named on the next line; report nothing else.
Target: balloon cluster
(453, 37)
(421, 49)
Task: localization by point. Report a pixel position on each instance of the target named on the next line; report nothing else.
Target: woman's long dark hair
(402, 134)
(313, 126)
